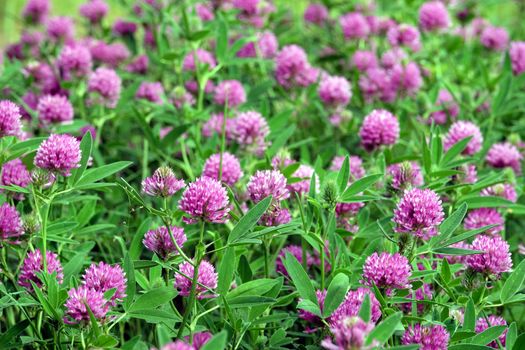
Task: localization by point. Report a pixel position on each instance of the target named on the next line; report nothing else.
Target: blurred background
(507, 13)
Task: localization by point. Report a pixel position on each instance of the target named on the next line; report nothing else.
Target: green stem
(223, 137)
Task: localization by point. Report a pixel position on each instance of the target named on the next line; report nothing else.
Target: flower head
(404, 35)
(36, 11)
(502, 155)
(151, 92)
(250, 130)
(103, 277)
(354, 26)
(334, 91)
(110, 54)
(356, 166)
(266, 46)
(481, 217)
(379, 128)
(105, 85)
(206, 279)
(352, 303)
(33, 264)
(205, 199)
(364, 60)
(124, 28)
(54, 109)
(433, 15)
(350, 333)
(159, 241)
(405, 175)
(61, 28)
(293, 69)
(94, 10)
(517, 57)
(494, 38)
(79, 300)
(387, 271)
(231, 168)
(15, 173)
(297, 252)
(434, 337)
(214, 126)
(495, 259)
(316, 14)
(266, 183)
(74, 61)
(304, 173)
(506, 191)
(59, 154)
(203, 58)
(461, 130)
(230, 92)
(419, 212)
(10, 124)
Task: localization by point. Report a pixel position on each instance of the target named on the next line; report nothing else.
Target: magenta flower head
(94, 10)
(15, 173)
(104, 84)
(103, 277)
(297, 252)
(61, 29)
(275, 216)
(387, 271)
(110, 54)
(266, 183)
(356, 166)
(449, 108)
(36, 11)
(334, 91)
(461, 130)
(503, 155)
(423, 293)
(495, 38)
(304, 173)
(404, 35)
(293, 69)
(177, 345)
(250, 130)
(434, 337)
(316, 14)
(74, 61)
(433, 15)
(205, 12)
(122, 27)
(517, 57)
(352, 304)
(406, 79)
(204, 58)
(496, 258)
(214, 126)
(354, 26)
(506, 191)
(205, 199)
(59, 154)
(33, 264)
(265, 47)
(206, 279)
(364, 60)
(350, 333)
(151, 92)
(379, 128)
(54, 109)
(162, 183)
(78, 301)
(230, 92)
(419, 212)
(10, 223)
(159, 241)
(139, 65)
(483, 324)
(405, 175)
(10, 116)
(231, 168)
(483, 217)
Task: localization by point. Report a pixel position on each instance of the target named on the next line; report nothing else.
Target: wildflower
(481, 217)
(54, 109)
(434, 337)
(517, 57)
(10, 124)
(250, 130)
(60, 29)
(35, 11)
(94, 10)
(316, 14)
(74, 61)
(205, 199)
(230, 92)
(483, 324)
(304, 173)
(151, 92)
(433, 15)
(102, 277)
(364, 60)
(15, 173)
(159, 241)
(387, 271)
(502, 155)
(354, 26)
(297, 252)
(405, 175)
(351, 306)
(203, 58)
(379, 128)
(105, 85)
(350, 333)
(461, 130)
(231, 168)
(206, 279)
(356, 166)
(33, 264)
(495, 259)
(79, 300)
(494, 38)
(59, 154)
(334, 91)
(506, 191)
(293, 69)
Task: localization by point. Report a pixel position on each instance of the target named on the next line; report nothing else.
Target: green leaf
(218, 342)
(456, 251)
(249, 301)
(450, 224)
(300, 278)
(105, 341)
(455, 150)
(307, 305)
(343, 175)
(130, 275)
(445, 273)
(155, 316)
(469, 320)
(383, 331)
(488, 335)
(226, 270)
(256, 287)
(366, 309)
(485, 202)
(96, 174)
(512, 334)
(336, 293)
(153, 298)
(360, 185)
(513, 283)
(249, 220)
(468, 347)
(222, 40)
(13, 332)
(85, 147)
